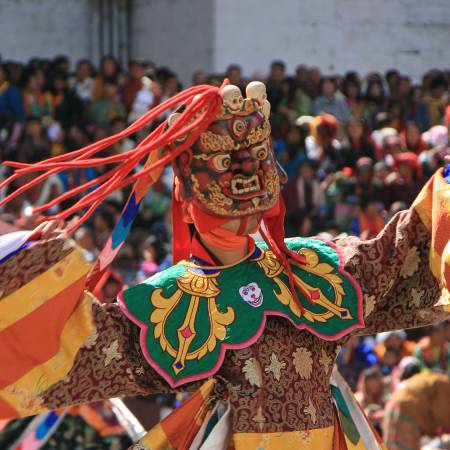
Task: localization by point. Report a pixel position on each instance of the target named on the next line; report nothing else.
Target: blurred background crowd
(356, 149)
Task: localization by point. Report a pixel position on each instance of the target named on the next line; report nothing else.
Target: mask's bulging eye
(220, 163)
(260, 152)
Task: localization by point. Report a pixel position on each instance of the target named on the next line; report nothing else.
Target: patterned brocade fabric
(399, 289)
(280, 383)
(27, 264)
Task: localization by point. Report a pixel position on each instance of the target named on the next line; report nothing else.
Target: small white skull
(256, 90)
(252, 294)
(232, 98)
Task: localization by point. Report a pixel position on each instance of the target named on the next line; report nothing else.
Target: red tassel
(195, 118)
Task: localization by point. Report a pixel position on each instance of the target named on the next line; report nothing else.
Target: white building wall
(335, 35)
(173, 33)
(45, 28)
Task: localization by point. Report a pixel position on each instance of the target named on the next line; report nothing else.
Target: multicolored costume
(257, 339)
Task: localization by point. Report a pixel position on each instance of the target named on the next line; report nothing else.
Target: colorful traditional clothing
(256, 339)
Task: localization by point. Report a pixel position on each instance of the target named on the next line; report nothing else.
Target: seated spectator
(330, 102)
(391, 347)
(109, 69)
(416, 110)
(108, 107)
(83, 84)
(370, 390)
(433, 350)
(11, 100)
(351, 88)
(108, 287)
(290, 151)
(411, 139)
(420, 408)
(323, 147)
(34, 145)
(405, 183)
(358, 143)
(305, 191)
(369, 222)
(295, 101)
(435, 100)
(355, 356)
(67, 108)
(84, 237)
(38, 102)
(133, 83)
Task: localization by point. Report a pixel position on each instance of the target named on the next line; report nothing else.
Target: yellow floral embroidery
(369, 305)
(311, 411)
(303, 362)
(252, 372)
(112, 352)
(91, 340)
(325, 360)
(275, 366)
(416, 296)
(411, 263)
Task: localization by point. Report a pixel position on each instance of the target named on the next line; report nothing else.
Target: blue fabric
(125, 222)
(447, 173)
(11, 104)
(44, 427)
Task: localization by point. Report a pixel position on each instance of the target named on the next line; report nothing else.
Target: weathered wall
(45, 28)
(336, 35)
(175, 33)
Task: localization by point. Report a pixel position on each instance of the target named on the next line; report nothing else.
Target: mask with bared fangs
(230, 171)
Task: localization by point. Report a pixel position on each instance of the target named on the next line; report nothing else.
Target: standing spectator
(417, 109)
(330, 102)
(370, 389)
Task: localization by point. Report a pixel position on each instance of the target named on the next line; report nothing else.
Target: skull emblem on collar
(252, 294)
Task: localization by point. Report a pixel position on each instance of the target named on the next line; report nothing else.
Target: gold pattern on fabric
(272, 269)
(411, 263)
(252, 372)
(111, 352)
(197, 286)
(201, 285)
(311, 411)
(303, 362)
(275, 367)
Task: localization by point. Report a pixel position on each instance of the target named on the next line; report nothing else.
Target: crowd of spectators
(356, 151)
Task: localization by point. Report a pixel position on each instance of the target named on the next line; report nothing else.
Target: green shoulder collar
(190, 314)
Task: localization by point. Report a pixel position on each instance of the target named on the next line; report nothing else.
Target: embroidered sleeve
(404, 273)
(58, 345)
